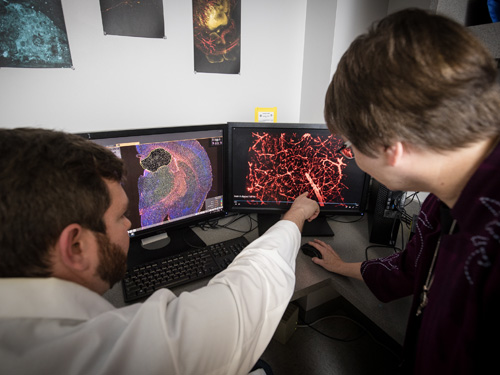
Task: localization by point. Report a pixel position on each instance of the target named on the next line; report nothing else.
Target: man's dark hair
(48, 180)
(414, 77)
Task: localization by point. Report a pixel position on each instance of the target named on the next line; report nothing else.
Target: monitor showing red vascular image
(270, 164)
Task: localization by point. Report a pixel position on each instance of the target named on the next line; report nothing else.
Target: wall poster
(133, 18)
(33, 35)
(217, 31)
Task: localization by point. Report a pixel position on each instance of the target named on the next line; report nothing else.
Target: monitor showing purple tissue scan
(174, 175)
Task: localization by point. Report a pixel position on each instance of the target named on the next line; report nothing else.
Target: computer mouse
(311, 251)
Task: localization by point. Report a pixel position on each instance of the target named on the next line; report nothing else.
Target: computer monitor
(270, 164)
(175, 178)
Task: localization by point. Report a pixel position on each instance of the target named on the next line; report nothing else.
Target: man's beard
(112, 260)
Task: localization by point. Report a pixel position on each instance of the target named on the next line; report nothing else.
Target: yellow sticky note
(266, 114)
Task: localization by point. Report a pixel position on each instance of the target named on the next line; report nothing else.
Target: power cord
(333, 218)
(310, 325)
(393, 248)
(214, 224)
(405, 219)
(362, 327)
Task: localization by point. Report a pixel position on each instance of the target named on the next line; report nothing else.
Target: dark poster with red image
(133, 18)
(217, 31)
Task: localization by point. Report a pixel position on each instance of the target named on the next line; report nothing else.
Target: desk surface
(350, 241)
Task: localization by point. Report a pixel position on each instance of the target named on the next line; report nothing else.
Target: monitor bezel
(189, 221)
(360, 211)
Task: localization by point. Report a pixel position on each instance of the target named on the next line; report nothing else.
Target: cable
(214, 224)
(332, 218)
(365, 331)
(394, 248)
(402, 235)
(310, 325)
(412, 197)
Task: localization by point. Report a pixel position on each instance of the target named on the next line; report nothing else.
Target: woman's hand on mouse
(332, 262)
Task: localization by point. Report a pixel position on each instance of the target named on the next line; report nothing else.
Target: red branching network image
(281, 167)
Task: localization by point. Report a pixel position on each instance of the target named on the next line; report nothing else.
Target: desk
(350, 241)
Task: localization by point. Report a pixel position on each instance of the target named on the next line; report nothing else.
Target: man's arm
(302, 209)
(305, 209)
(229, 323)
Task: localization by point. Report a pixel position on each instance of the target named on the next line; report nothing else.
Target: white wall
(290, 50)
(331, 26)
(318, 46)
(353, 18)
(395, 5)
(123, 82)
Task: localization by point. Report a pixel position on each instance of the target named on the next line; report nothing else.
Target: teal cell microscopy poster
(33, 34)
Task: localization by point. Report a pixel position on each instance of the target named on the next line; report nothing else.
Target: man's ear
(71, 247)
(394, 153)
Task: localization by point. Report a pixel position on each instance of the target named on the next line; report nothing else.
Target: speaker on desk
(384, 213)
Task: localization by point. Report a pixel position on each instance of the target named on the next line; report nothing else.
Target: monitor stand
(319, 227)
(160, 245)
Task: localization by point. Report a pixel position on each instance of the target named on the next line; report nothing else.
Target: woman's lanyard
(424, 298)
